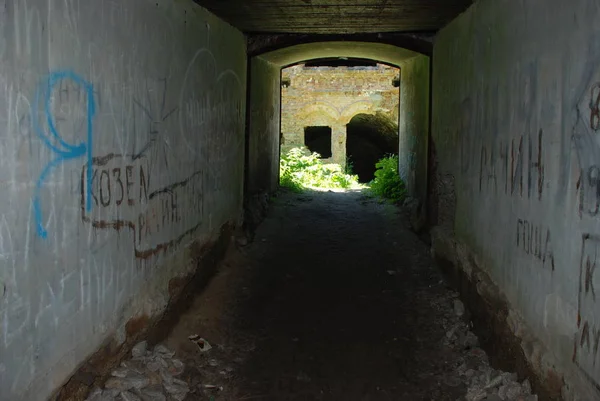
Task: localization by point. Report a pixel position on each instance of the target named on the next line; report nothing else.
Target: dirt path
(336, 299)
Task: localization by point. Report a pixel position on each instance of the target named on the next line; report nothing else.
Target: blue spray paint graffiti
(54, 141)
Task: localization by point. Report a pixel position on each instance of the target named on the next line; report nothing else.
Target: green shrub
(287, 181)
(300, 169)
(349, 166)
(387, 182)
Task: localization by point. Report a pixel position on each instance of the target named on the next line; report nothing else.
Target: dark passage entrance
(368, 139)
(318, 139)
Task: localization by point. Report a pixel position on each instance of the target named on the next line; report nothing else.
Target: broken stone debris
(492, 385)
(148, 376)
(212, 387)
(482, 381)
(459, 308)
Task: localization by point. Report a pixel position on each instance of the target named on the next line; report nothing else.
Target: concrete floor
(336, 299)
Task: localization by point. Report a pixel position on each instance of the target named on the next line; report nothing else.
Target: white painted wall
(515, 108)
(121, 125)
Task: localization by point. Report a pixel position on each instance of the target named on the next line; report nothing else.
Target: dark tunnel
(165, 235)
(368, 139)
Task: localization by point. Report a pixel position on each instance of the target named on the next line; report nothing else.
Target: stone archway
(369, 137)
(263, 139)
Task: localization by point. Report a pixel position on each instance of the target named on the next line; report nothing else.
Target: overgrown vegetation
(387, 182)
(349, 166)
(300, 169)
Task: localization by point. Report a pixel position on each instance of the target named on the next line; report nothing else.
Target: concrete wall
(263, 141)
(414, 125)
(515, 123)
(331, 96)
(122, 141)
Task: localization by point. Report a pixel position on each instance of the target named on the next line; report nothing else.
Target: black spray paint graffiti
(595, 107)
(111, 186)
(158, 220)
(512, 166)
(536, 241)
(587, 144)
(509, 160)
(586, 141)
(588, 186)
(587, 340)
(148, 122)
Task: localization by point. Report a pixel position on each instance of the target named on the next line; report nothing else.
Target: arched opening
(322, 95)
(265, 128)
(368, 139)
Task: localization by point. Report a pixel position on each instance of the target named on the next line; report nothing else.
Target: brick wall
(331, 96)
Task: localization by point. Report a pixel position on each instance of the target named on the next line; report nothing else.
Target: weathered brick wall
(331, 96)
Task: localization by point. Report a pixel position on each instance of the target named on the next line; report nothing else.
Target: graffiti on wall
(586, 142)
(513, 167)
(58, 135)
(29, 318)
(535, 240)
(208, 99)
(587, 145)
(587, 339)
(121, 198)
(116, 188)
(62, 117)
(123, 183)
(125, 192)
(149, 119)
(588, 186)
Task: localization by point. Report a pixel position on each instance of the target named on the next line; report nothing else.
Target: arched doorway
(369, 138)
(263, 130)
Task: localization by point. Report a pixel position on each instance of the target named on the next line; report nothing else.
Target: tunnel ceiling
(336, 16)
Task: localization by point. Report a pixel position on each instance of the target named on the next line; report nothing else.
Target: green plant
(387, 182)
(287, 181)
(300, 169)
(349, 169)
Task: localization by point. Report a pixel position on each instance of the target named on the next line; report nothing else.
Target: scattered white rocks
(495, 385)
(459, 308)
(148, 376)
(482, 381)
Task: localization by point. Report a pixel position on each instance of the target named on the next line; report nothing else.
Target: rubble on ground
(147, 376)
(483, 382)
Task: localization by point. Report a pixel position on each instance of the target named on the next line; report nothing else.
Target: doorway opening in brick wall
(320, 102)
(369, 138)
(318, 139)
(344, 109)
